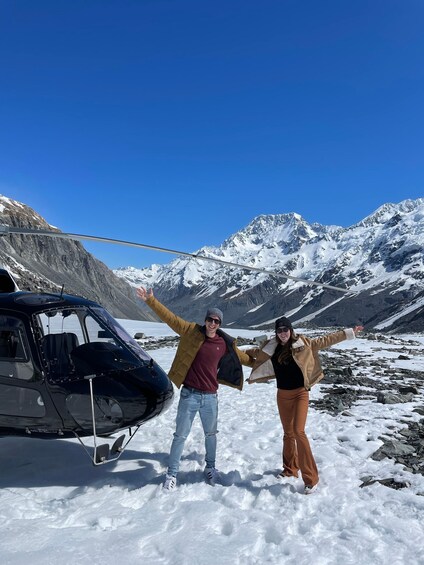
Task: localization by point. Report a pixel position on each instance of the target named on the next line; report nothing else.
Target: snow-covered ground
(56, 508)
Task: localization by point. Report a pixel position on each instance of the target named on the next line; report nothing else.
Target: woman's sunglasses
(283, 330)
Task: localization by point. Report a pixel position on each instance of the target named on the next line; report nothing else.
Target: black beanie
(280, 322)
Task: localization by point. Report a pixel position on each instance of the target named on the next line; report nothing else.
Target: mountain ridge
(379, 259)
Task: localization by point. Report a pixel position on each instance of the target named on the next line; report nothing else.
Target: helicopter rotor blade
(4, 230)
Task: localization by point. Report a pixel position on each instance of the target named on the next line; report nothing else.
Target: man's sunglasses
(283, 330)
(213, 320)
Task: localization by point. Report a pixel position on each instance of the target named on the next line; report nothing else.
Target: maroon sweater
(203, 373)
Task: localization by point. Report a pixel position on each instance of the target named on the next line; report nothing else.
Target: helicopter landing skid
(101, 453)
(117, 445)
(104, 453)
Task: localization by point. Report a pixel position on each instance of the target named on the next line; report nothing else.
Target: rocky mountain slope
(380, 260)
(46, 263)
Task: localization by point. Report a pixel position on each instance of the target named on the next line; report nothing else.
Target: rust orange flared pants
(297, 454)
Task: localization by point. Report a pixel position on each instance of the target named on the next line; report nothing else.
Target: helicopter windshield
(78, 341)
(122, 333)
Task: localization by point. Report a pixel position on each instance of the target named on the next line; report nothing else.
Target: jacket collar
(298, 343)
(270, 346)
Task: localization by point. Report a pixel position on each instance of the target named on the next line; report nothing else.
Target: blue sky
(175, 123)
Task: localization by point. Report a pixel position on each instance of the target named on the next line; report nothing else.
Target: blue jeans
(190, 403)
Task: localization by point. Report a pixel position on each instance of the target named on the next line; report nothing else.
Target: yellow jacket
(193, 335)
(305, 353)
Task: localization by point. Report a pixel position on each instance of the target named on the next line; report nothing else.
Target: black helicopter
(69, 369)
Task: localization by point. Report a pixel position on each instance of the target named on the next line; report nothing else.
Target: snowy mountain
(380, 260)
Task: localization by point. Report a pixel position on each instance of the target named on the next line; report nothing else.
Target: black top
(289, 376)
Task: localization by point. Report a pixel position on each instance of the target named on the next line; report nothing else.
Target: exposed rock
(408, 389)
(160, 342)
(172, 341)
(389, 482)
(393, 449)
(391, 398)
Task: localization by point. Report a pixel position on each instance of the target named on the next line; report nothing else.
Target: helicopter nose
(121, 400)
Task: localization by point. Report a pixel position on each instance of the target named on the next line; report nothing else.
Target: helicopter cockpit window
(62, 332)
(15, 361)
(78, 341)
(131, 343)
(105, 352)
(11, 346)
(62, 321)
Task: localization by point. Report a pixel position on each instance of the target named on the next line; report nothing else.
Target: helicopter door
(17, 398)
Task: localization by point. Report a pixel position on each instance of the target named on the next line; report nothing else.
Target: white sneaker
(170, 482)
(309, 489)
(212, 475)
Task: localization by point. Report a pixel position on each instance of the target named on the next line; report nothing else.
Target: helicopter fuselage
(68, 368)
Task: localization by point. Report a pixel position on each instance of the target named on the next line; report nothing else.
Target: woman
(294, 362)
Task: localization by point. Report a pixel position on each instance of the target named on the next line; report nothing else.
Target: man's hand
(143, 293)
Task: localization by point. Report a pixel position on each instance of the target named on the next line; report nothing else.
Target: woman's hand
(143, 293)
(357, 329)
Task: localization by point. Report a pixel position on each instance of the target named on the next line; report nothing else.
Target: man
(205, 358)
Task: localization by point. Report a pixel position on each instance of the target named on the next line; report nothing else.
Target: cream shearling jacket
(305, 353)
